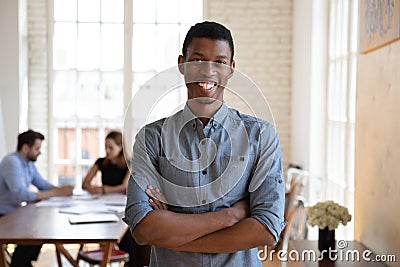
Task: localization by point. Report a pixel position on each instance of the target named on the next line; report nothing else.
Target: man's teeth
(206, 85)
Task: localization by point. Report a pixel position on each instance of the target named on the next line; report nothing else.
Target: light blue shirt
(15, 177)
(205, 169)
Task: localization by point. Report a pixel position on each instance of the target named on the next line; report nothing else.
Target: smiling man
(207, 186)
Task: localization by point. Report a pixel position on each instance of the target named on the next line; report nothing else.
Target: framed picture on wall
(379, 23)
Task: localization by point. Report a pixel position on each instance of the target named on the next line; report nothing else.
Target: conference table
(49, 222)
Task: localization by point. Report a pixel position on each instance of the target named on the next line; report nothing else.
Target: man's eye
(220, 62)
(197, 60)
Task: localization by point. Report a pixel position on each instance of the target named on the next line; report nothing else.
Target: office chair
(8, 254)
(94, 257)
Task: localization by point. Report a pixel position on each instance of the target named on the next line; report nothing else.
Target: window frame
(341, 189)
(102, 123)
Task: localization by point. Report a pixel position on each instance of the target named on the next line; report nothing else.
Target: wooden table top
(34, 225)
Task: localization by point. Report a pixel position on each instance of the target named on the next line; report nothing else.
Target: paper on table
(55, 202)
(84, 209)
(118, 209)
(85, 197)
(93, 218)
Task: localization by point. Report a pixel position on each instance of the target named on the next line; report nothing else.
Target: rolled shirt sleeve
(267, 190)
(137, 206)
(143, 173)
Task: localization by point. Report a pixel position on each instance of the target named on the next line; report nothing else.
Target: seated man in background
(17, 172)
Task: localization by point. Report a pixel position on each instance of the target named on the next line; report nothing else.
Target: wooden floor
(47, 258)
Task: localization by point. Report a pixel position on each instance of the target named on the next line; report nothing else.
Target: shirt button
(204, 172)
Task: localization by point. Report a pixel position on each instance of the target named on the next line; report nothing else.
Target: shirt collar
(218, 117)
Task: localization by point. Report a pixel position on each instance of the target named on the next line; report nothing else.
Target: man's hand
(55, 191)
(157, 199)
(240, 210)
(66, 190)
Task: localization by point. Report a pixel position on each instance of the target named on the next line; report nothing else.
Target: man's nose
(207, 68)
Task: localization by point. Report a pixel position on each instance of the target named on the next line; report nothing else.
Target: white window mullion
(340, 108)
(52, 137)
(77, 149)
(128, 75)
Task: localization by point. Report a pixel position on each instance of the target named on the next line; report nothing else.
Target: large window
(342, 57)
(104, 51)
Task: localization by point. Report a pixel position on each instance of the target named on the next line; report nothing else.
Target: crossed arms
(222, 231)
(244, 225)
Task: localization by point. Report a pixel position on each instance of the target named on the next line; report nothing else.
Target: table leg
(107, 254)
(58, 253)
(62, 250)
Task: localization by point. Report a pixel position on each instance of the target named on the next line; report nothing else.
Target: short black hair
(211, 30)
(29, 137)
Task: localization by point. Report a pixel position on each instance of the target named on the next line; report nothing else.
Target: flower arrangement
(327, 214)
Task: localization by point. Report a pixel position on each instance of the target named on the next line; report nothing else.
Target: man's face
(34, 151)
(207, 70)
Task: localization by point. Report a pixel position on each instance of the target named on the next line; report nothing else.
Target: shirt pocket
(236, 175)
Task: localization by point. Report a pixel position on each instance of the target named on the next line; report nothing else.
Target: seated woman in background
(114, 178)
(113, 168)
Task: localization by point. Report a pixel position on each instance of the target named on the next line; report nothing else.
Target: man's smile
(207, 85)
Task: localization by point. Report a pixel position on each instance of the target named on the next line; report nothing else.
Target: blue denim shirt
(205, 169)
(15, 177)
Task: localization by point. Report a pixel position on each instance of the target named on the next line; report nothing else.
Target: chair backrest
(94, 257)
(297, 180)
(7, 254)
(296, 227)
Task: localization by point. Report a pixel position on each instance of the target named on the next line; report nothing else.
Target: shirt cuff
(275, 226)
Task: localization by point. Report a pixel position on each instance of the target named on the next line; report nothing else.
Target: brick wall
(262, 32)
(38, 110)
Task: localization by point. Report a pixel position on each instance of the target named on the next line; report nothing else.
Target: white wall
(3, 149)
(301, 83)
(377, 168)
(10, 89)
(310, 21)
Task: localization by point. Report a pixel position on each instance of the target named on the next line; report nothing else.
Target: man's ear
(232, 69)
(25, 148)
(180, 64)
